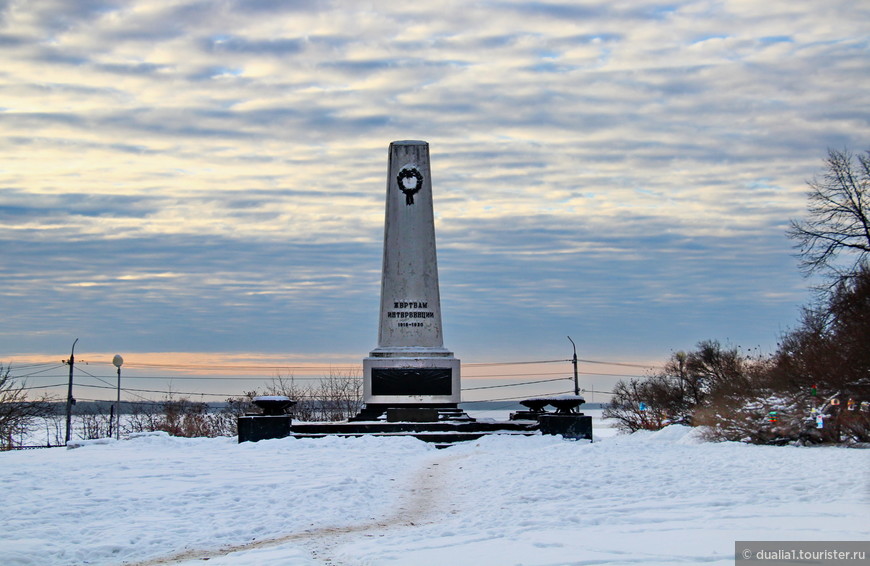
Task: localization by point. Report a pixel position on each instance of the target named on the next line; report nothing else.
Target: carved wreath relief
(410, 182)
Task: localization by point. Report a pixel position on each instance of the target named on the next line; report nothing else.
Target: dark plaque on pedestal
(412, 381)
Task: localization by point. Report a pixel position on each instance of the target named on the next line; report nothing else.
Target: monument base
(401, 378)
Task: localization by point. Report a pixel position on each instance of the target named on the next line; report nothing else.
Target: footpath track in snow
(420, 498)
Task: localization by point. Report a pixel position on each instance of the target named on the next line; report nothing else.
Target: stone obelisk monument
(410, 368)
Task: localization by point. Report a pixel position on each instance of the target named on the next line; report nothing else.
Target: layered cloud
(210, 175)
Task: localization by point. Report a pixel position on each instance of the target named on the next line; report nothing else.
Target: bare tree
(839, 215)
(18, 414)
(145, 416)
(336, 397)
(340, 395)
(94, 421)
(54, 422)
(226, 420)
(306, 408)
(641, 404)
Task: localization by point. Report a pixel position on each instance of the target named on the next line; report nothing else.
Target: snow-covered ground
(647, 498)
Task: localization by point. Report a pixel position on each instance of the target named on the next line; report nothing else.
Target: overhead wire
(31, 374)
(483, 364)
(616, 364)
(160, 391)
(100, 379)
(515, 398)
(226, 367)
(514, 384)
(337, 367)
(596, 391)
(111, 386)
(341, 367)
(42, 386)
(30, 365)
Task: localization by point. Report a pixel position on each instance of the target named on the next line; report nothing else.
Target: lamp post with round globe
(118, 361)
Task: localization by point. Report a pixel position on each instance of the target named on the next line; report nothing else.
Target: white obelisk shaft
(410, 352)
(410, 300)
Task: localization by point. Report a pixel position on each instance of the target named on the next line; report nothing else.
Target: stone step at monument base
(443, 433)
(439, 439)
(411, 413)
(454, 414)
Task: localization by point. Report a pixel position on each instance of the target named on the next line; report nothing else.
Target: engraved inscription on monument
(410, 318)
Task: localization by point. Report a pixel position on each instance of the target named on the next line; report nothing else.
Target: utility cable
(42, 386)
(56, 366)
(515, 398)
(158, 391)
(243, 366)
(594, 391)
(616, 364)
(514, 384)
(514, 363)
(17, 367)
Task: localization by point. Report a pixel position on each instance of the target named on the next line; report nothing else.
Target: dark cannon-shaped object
(273, 405)
(566, 404)
(273, 422)
(534, 407)
(566, 421)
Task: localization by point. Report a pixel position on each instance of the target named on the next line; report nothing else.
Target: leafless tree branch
(839, 216)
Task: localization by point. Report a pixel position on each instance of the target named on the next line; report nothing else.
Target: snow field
(647, 498)
(156, 495)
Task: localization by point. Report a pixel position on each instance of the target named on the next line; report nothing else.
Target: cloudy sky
(209, 176)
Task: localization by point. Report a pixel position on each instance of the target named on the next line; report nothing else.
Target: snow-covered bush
(689, 382)
(762, 417)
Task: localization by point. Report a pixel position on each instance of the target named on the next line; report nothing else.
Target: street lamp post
(118, 361)
(69, 396)
(576, 382)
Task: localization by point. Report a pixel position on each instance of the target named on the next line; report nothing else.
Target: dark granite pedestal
(566, 421)
(573, 426)
(261, 427)
(271, 423)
